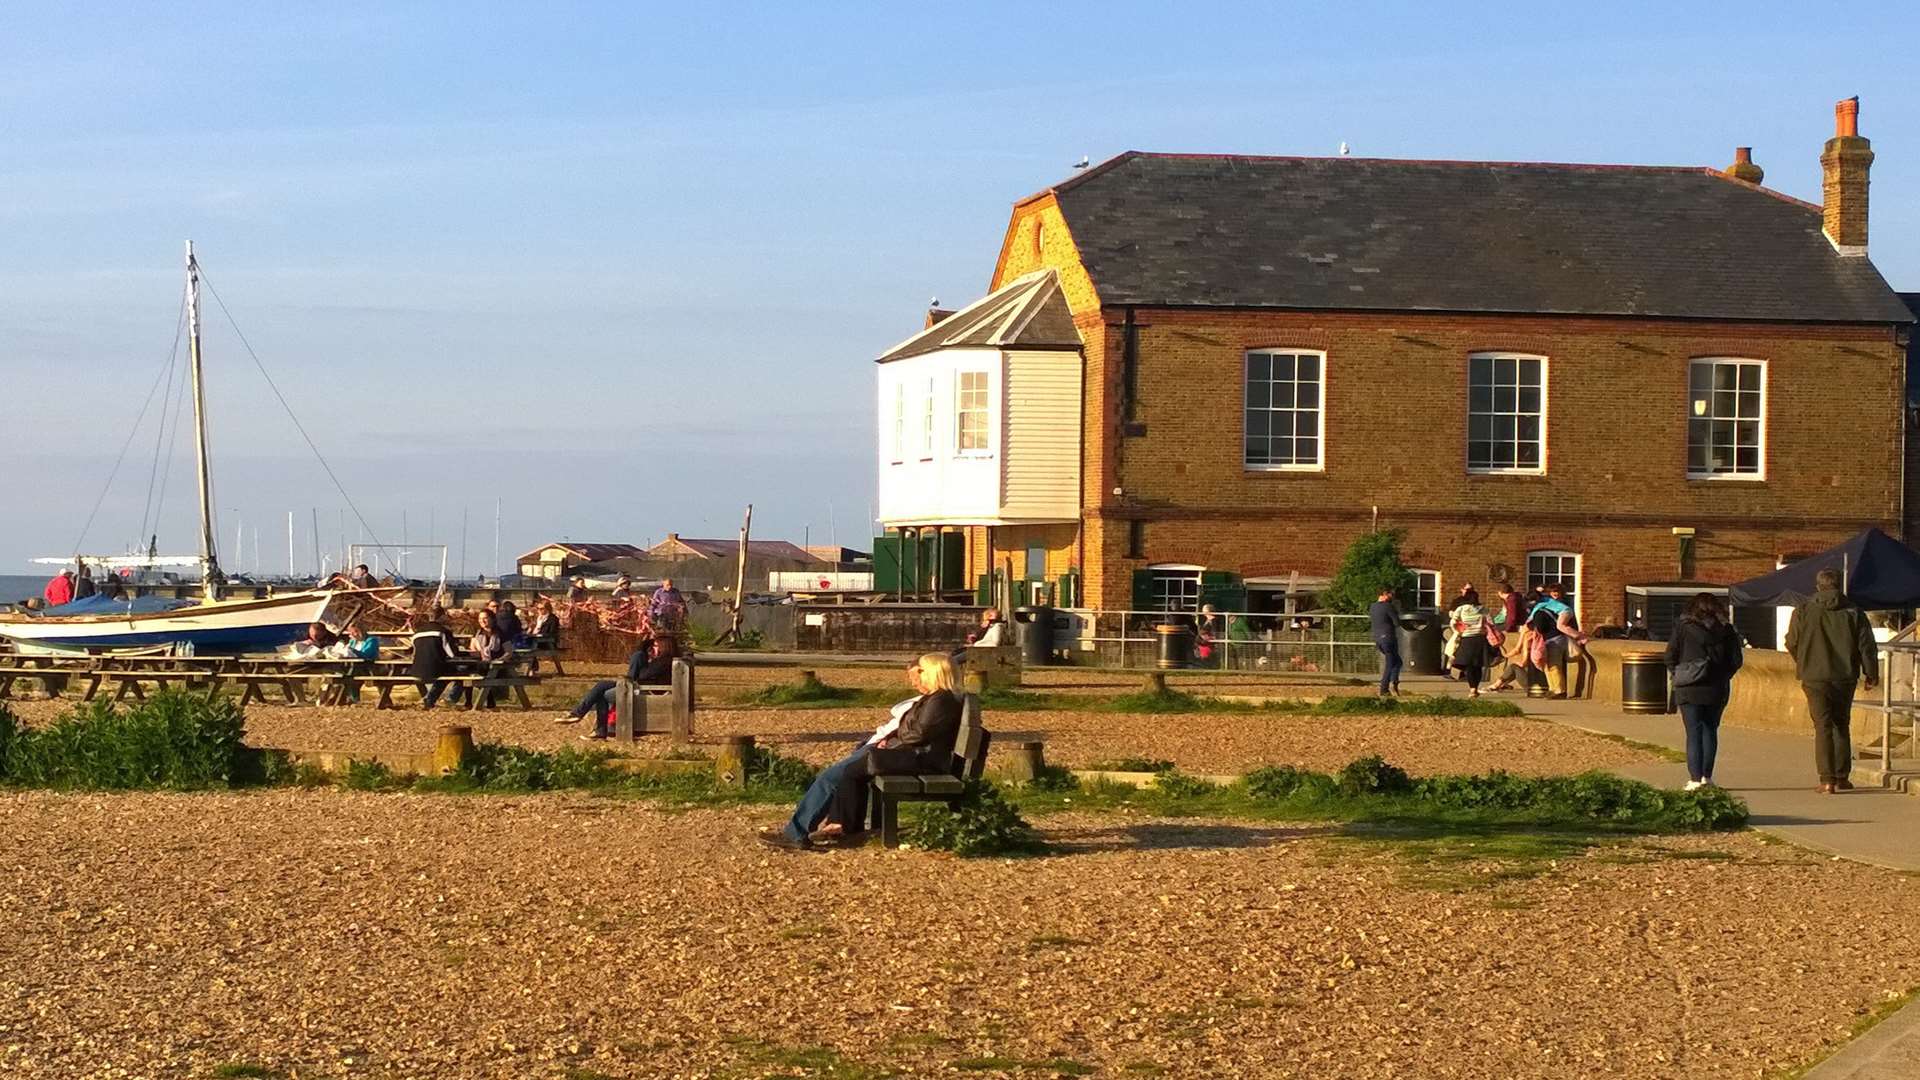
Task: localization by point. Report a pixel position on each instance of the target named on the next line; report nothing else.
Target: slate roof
(1025, 313)
(1380, 234)
(730, 549)
(589, 552)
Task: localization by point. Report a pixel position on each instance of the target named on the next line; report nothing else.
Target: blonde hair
(936, 672)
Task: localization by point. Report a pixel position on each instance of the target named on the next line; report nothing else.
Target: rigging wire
(173, 440)
(180, 321)
(318, 456)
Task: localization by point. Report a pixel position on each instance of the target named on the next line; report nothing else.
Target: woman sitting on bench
(651, 665)
(918, 740)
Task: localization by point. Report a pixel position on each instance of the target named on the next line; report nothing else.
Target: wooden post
(452, 748)
(730, 762)
(1156, 682)
(682, 701)
(630, 711)
(1024, 761)
(740, 578)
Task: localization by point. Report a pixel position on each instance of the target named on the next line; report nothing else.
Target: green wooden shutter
(983, 590)
(1223, 590)
(1143, 590)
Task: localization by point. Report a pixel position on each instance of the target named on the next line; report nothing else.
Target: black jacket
(924, 741)
(1719, 645)
(645, 672)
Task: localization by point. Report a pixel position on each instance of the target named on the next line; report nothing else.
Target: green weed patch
(172, 740)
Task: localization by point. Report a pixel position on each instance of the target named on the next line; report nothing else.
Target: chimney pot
(1844, 164)
(1743, 167)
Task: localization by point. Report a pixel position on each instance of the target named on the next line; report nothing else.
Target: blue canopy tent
(1879, 574)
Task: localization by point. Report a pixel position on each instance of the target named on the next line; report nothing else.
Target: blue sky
(624, 267)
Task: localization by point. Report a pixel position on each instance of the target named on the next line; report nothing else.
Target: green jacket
(1831, 641)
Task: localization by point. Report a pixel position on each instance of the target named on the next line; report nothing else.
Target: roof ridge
(1761, 188)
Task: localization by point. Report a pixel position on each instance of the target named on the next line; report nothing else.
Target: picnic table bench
(969, 759)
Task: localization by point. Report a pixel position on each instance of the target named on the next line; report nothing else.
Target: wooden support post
(452, 749)
(682, 701)
(730, 762)
(1156, 682)
(1024, 761)
(630, 711)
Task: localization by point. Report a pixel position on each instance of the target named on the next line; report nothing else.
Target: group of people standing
(1538, 631)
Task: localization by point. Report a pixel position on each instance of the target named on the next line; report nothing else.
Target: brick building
(1200, 377)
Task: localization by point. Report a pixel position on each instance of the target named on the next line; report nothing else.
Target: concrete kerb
(454, 748)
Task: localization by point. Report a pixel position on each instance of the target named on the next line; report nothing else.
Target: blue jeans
(599, 700)
(1703, 738)
(819, 797)
(1389, 662)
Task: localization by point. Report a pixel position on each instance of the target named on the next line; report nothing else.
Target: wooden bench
(129, 681)
(52, 679)
(384, 685)
(969, 759)
(251, 683)
(635, 714)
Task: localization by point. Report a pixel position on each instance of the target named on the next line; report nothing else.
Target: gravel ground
(326, 933)
(1200, 743)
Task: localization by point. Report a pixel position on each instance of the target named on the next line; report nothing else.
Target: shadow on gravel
(1170, 836)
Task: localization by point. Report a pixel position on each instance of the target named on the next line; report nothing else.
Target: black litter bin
(1643, 682)
(1035, 627)
(1420, 644)
(1176, 645)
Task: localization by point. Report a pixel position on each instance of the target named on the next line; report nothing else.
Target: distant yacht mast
(210, 576)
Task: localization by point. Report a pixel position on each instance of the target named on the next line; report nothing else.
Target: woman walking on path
(1470, 649)
(1384, 615)
(1703, 655)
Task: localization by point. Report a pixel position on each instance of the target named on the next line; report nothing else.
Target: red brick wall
(1395, 395)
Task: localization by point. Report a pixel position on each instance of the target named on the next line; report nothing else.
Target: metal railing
(1234, 641)
(1900, 715)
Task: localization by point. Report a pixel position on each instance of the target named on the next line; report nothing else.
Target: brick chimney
(1743, 167)
(1843, 165)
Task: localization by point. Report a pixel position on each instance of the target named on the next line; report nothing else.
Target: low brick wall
(1766, 693)
(883, 628)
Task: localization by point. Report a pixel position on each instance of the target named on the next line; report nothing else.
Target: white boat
(210, 625)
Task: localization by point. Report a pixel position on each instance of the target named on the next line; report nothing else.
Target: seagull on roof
(1344, 151)
(1083, 162)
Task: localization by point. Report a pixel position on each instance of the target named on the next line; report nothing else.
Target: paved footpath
(1773, 772)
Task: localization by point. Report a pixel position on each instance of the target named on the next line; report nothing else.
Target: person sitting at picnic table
(918, 739)
(510, 627)
(622, 589)
(666, 608)
(490, 645)
(649, 665)
(433, 658)
(359, 646)
(320, 638)
(362, 578)
(546, 626)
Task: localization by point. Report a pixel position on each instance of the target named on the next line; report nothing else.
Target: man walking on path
(1833, 649)
(1386, 637)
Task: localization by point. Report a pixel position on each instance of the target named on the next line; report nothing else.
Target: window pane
(1283, 367)
(1281, 424)
(1530, 373)
(1750, 377)
(1746, 433)
(1503, 429)
(1529, 429)
(1259, 367)
(1479, 371)
(1257, 452)
(1479, 428)
(1747, 459)
(1723, 433)
(1529, 455)
(1480, 455)
(1480, 399)
(1750, 404)
(1530, 399)
(1308, 395)
(1504, 456)
(1257, 421)
(1699, 377)
(1283, 395)
(1308, 367)
(1505, 371)
(1697, 457)
(1726, 404)
(1306, 451)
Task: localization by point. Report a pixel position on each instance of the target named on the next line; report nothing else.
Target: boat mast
(209, 566)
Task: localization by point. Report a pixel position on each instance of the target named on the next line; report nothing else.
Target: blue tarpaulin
(1881, 574)
(98, 604)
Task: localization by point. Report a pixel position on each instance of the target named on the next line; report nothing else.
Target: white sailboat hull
(228, 626)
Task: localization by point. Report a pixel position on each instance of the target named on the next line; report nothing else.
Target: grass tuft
(173, 740)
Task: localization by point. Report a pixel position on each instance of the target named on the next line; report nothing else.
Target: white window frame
(1579, 573)
(1546, 381)
(926, 433)
(1171, 573)
(899, 422)
(1319, 464)
(1735, 362)
(1420, 590)
(960, 412)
